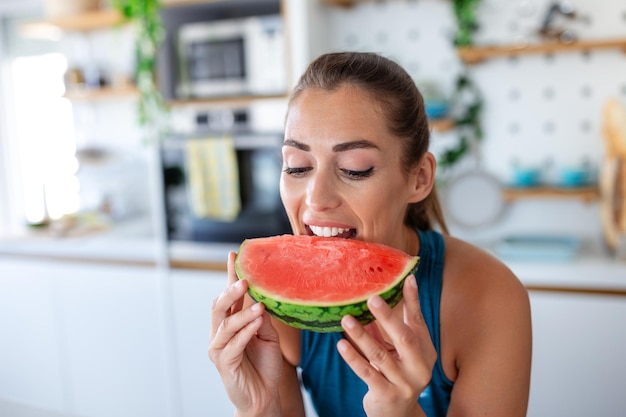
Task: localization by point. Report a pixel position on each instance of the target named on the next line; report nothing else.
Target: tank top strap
(429, 277)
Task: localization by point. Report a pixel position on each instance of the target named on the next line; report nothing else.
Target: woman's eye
(358, 175)
(296, 171)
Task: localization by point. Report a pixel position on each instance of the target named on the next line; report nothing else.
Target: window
(45, 137)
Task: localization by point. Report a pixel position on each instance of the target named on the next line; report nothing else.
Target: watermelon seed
(379, 269)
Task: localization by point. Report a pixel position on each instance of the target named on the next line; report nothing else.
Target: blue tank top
(337, 391)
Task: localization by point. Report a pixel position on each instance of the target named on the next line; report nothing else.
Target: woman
(356, 165)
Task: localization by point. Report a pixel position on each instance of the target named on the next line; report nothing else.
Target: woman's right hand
(244, 347)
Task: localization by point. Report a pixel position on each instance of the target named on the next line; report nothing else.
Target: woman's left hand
(395, 373)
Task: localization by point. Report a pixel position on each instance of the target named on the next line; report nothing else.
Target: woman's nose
(321, 193)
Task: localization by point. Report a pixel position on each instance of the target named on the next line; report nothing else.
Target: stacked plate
(541, 248)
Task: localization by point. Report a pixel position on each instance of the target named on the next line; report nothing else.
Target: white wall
(10, 6)
(9, 196)
(4, 159)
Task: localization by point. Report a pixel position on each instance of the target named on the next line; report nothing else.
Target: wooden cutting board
(613, 176)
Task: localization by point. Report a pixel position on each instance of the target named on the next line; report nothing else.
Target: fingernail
(376, 301)
(413, 281)
(256, 307)
(239, 284)
(342, 346)
(349, 322)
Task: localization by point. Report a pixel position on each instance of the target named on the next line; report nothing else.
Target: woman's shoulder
(471, 267)
(482, 302)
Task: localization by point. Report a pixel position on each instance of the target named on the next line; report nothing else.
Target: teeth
(327, 231)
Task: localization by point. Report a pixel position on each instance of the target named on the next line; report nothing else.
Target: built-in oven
(254, 209)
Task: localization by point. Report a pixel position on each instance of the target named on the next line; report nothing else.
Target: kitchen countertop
(127, 243)
(591, 270)
(189, 255)
(587, 273)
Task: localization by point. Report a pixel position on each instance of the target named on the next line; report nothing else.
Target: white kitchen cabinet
(32, 360)
(578, 355)
(113, 328)
(82, 339)
(201, 390)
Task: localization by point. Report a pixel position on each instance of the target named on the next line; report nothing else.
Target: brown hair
(400, 102)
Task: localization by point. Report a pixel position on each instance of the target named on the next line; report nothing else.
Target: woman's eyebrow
(355, 144)
(340, 147)
(296, 144)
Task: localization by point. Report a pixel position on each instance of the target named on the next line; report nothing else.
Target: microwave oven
(231, 57)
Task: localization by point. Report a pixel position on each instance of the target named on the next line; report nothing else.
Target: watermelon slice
(311, 282)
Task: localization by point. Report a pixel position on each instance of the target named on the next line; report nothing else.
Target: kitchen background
(105, 312)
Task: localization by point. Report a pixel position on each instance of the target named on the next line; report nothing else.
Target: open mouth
(341, 232)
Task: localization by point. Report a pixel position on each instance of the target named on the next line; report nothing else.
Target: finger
(399, 332)
(415, 321)
(231, 350)
(232, 274)
(227, 303)
(361, 366)
(232, 278)
(408, 342)
(412, 310)
(372, 349)
(231, 326)
(405, 332)
(267, 332)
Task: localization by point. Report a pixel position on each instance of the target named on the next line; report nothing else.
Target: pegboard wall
(538, 108)
(416, 34)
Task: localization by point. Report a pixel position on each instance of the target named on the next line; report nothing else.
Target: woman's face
(342, 174)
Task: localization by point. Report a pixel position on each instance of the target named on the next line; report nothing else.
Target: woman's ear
(423, 178)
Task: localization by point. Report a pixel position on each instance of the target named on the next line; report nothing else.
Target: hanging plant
(145, 14)
(467, 98)
(465, 14)
(468, 121)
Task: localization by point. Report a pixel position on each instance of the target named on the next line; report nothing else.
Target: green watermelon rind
(327, 318)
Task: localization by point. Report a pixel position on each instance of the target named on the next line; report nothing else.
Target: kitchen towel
(213, 177)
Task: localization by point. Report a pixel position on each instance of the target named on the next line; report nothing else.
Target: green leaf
(145, 14)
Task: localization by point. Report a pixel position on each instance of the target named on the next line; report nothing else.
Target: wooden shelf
(347, 3)
(477, 54)
(341, 3)
(586, 194)
(439, 125)
(344, 3)
(177, 3)
(105, 93)
(84, 22)
(231, 102)
(442, 125)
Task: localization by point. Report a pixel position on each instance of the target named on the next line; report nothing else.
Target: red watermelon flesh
(311, 282)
